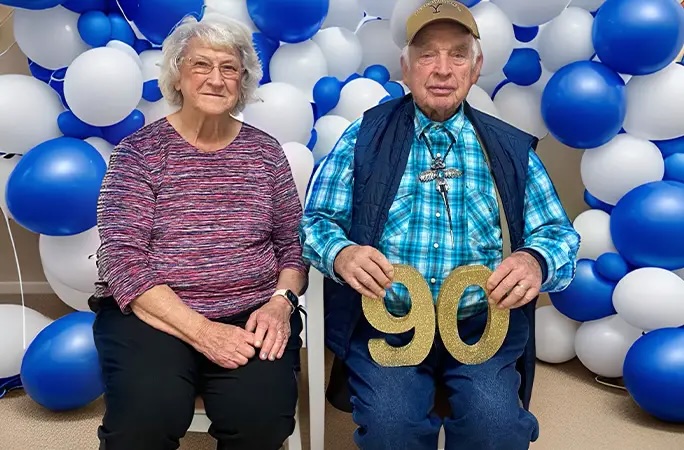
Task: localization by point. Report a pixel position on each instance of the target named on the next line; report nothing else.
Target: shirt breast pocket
(484, 231)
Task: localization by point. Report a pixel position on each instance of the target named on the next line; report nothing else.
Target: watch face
(292, 297)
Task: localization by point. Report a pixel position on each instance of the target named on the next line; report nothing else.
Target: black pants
(152, 378)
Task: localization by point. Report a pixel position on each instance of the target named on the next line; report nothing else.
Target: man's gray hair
(218, 33)
(475, 50)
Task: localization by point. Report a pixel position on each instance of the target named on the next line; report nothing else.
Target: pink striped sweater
(215, 227)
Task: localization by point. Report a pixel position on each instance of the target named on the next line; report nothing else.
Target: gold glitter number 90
(422, 318)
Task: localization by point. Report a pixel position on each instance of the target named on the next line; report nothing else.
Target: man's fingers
(501, 272)
(370, 283)
(503, 288)
(384, 265)
(362, 289)
(378, 275)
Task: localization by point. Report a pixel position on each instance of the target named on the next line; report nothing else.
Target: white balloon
(357, 96)
(301, 65)
(602, 345)
(566, 39)
(528, 13)
(8, 162)
(49, 37)
(282, 111)
(103, 86)
(103, 147)
(489, 82)
(233, 9)
(400, 15)
(617, 167)
(679, 273)
(555, 335)
(344, 13)
(71, 297)
(28, 113)
(480, 100)
(151, 64)
(71, 259)
(496, 36)
(301, 163)
(127, 49)
(11, 336)
(378, 47)
(521, 107)
(593, 226)
(154, 111)
(650, 298)
(329, 130)
(543, 80)
(589, 5)
(341, 49)
(379, 8)
(655, 104)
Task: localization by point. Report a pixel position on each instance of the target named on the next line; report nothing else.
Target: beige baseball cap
(435, 10)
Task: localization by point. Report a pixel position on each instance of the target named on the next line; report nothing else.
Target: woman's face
(210, 78)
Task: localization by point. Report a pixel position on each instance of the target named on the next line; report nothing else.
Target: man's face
(441, 68)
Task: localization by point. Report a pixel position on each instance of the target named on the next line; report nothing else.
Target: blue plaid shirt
(417, 230)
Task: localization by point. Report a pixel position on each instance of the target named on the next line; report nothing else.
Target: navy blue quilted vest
(381, 153)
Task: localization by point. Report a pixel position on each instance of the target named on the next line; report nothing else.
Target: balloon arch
(604, 77)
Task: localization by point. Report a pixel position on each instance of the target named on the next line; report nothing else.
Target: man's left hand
(515, 282)
(271, 327)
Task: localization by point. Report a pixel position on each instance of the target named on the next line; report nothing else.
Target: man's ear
(475, 75)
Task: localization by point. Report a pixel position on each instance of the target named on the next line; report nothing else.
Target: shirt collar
(454, 124)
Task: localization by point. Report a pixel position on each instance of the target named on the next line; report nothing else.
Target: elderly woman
(200, 262)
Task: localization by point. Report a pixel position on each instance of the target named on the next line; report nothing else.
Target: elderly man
(430, 182)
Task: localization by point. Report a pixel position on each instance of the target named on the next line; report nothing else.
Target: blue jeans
(393, 406)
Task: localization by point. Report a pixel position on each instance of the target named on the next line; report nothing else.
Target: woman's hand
(271, 327)
(226, 345)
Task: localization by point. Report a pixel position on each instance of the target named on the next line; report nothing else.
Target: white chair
(312, 337)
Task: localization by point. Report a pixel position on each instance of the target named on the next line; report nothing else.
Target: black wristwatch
(290, 296)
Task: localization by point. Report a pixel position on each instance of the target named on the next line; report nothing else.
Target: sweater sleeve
(125, 213)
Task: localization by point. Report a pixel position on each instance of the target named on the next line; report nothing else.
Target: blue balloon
(498, 87)
(351, 77)
(129, 8)
(653, 373)
(289, 21)
(54, 187)
(117, 132)
(588, 297)
(394, 89)
(378, 73)
(584, 104)
(595, 203)
(611, 266)
(156, 18)
(674, 168)
(60, 369)
(646, 225)
(32, 4)
(151, 91)
(95, 28)
(470, 3)
(265, 47)
(83, 6)
(40, 72)
(141, 45)
(312, 141)
(671, 146)
(638, 37)
(525, 34)
(326, 94)
(72, 126)
(523, 67)
(121, 30)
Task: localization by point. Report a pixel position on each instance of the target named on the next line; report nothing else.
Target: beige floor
(575, 413)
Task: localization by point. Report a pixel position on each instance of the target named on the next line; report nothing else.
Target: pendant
(439, 172)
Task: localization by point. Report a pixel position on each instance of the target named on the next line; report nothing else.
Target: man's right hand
(226, 345)
(365, 269)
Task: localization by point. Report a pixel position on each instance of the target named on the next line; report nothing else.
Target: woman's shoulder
(256, 137)
(147, 138)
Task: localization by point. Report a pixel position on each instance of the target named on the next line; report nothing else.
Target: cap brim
(442, 19)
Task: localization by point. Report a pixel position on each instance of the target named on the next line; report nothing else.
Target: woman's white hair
(218, 33)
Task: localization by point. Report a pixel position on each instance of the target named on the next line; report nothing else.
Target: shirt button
(433, 281)
(435, 245)
(438, 215)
